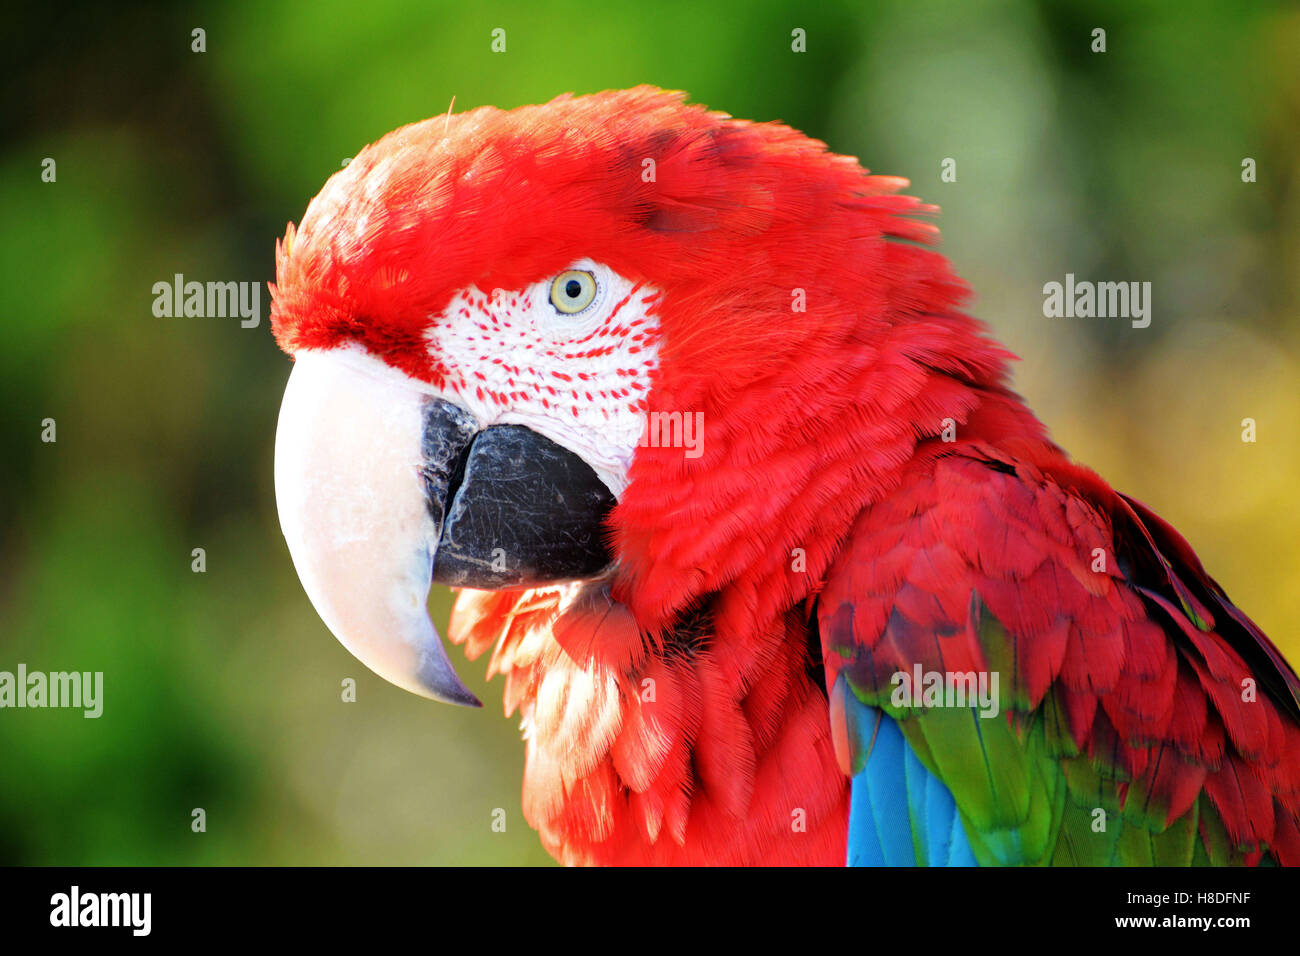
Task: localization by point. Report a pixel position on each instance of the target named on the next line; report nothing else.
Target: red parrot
(776, 567)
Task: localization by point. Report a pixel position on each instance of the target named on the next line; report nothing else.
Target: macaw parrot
(776, 567)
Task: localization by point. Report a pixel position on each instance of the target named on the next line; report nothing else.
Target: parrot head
(487, 310)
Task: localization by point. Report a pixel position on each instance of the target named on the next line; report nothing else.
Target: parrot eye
(572, 291)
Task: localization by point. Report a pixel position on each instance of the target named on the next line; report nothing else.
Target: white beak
(350, 480)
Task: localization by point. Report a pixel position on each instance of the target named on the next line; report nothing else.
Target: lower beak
(383, 488)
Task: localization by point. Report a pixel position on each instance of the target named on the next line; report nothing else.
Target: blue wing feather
(900, 814)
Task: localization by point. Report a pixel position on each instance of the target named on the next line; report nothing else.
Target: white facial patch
(581, 380)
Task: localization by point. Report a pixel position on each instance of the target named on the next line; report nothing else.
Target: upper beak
(383, 488)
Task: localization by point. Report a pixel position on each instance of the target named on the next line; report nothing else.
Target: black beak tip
(460, 697)
(439, 680)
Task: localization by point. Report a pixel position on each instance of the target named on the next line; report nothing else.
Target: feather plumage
(827, 536)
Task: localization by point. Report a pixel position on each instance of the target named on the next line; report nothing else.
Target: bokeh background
(222, 689)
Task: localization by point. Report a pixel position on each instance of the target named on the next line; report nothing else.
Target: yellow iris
(572, 291)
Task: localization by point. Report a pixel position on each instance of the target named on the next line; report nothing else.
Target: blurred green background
(222, 689)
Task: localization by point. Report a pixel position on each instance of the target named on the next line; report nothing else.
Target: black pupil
(573, 288)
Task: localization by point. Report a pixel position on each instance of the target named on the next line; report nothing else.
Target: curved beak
(383, 488)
